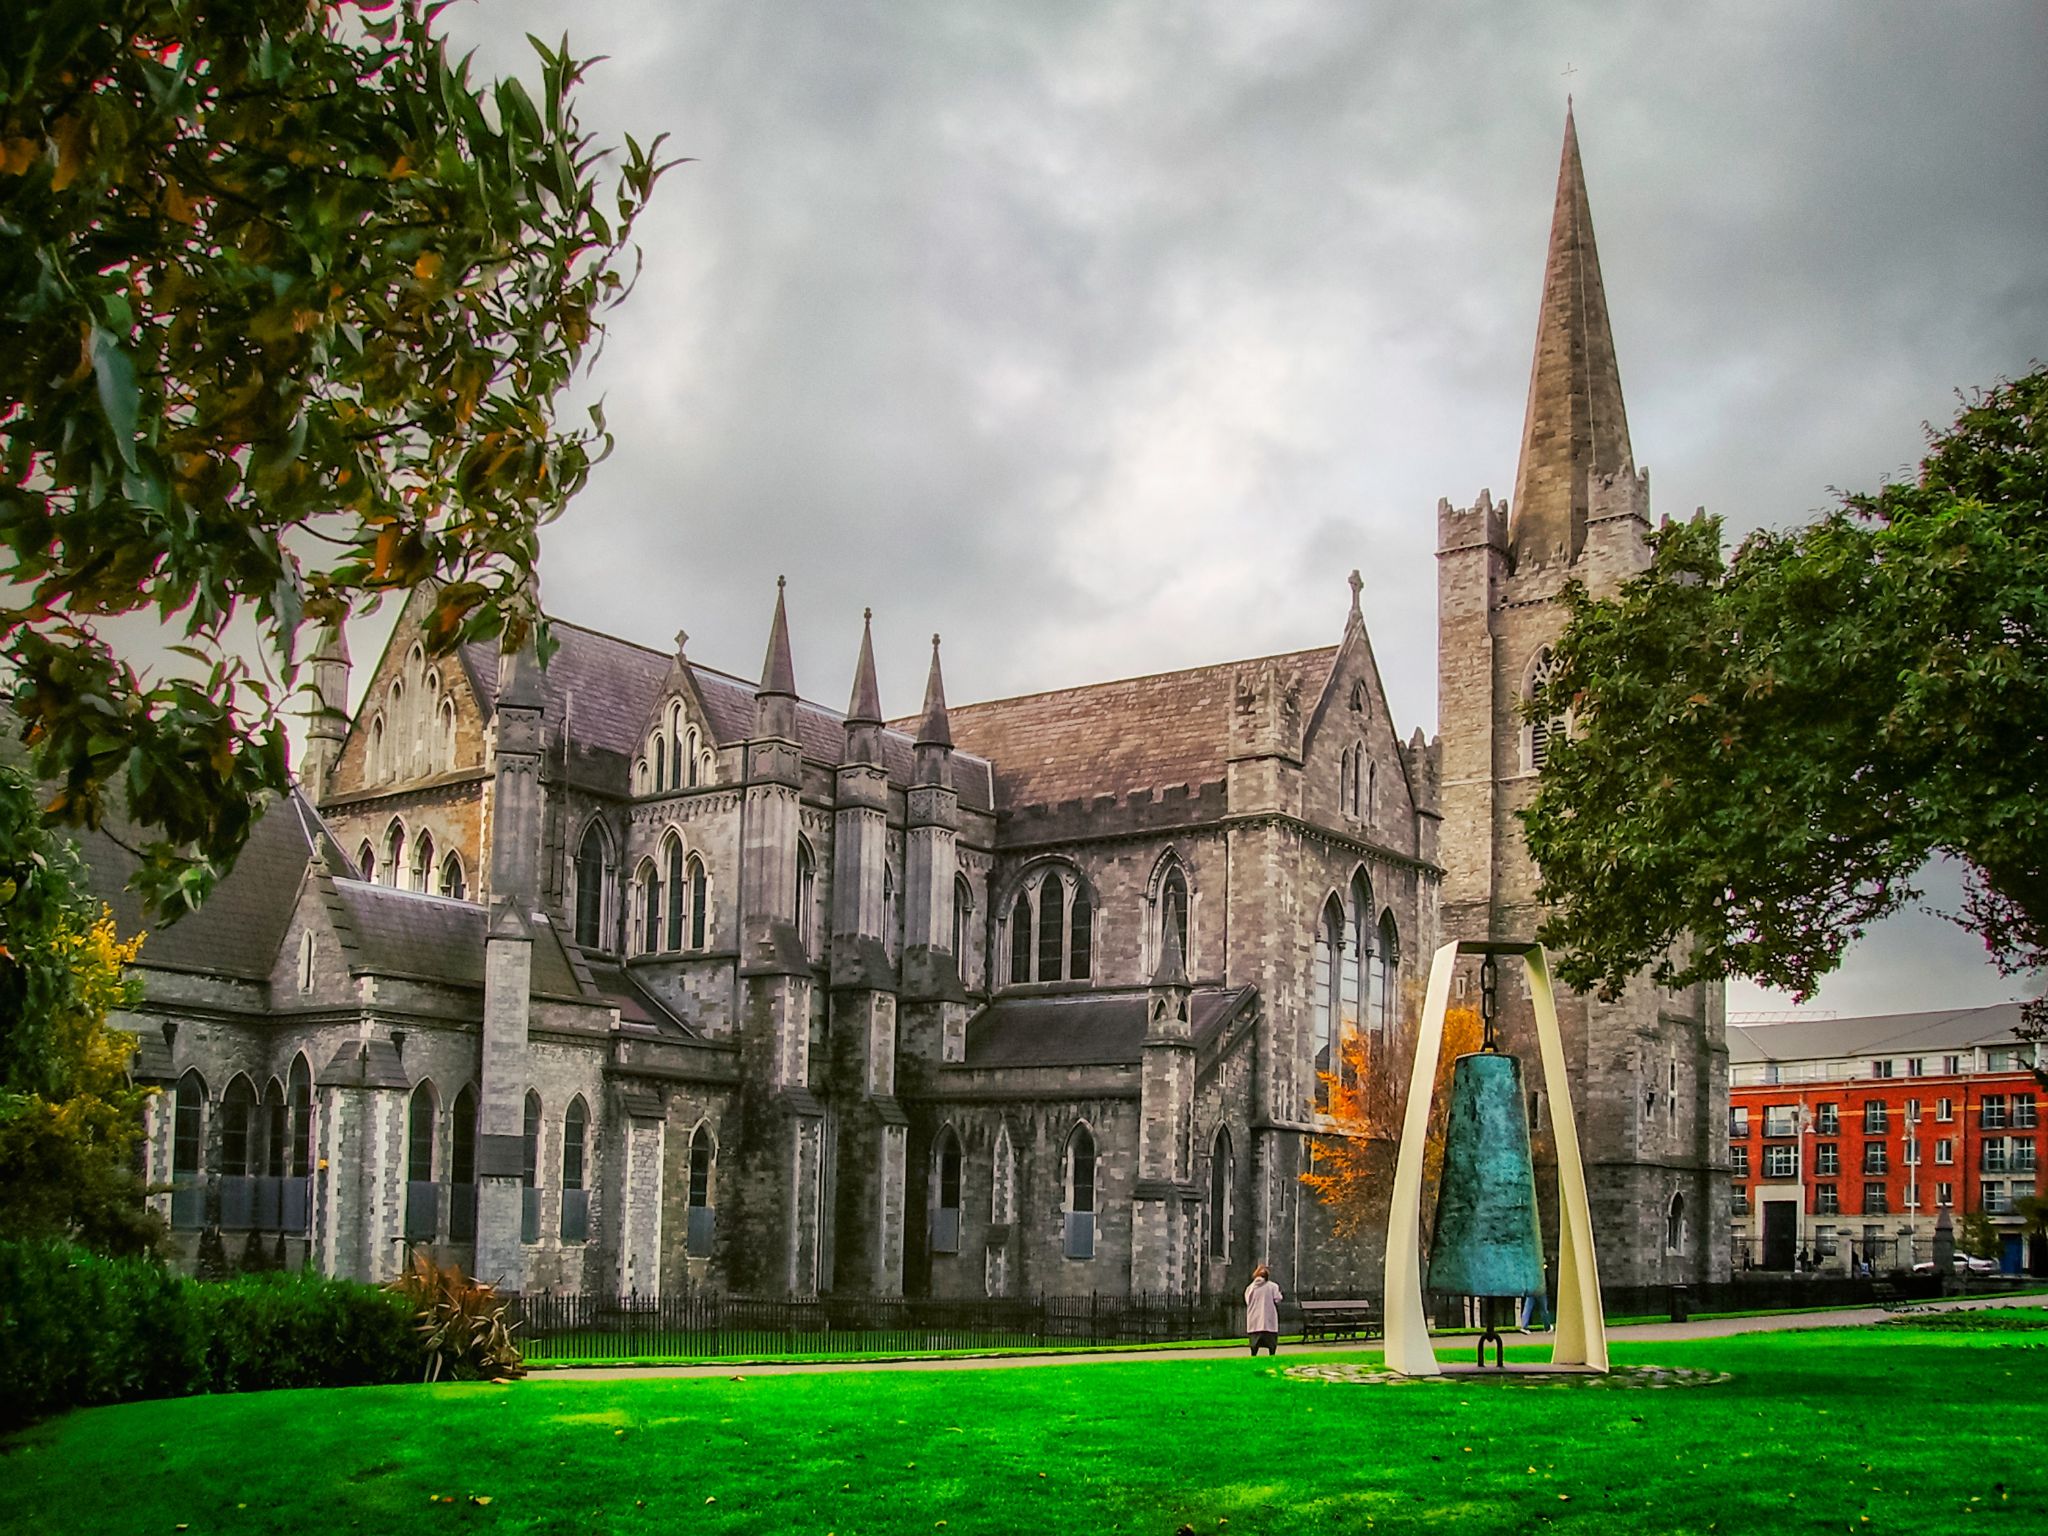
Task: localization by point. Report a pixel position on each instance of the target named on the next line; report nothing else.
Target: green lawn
(1901, 1428)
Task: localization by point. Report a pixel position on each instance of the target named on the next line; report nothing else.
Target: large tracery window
(1540, 731)
(1052, 928)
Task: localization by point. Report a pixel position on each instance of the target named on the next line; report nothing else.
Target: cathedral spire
(778, 673)
(866, 705)
(1576, 431)
(935, 730)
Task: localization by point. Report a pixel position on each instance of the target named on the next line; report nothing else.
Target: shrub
(460, 1322)
(78, 1329)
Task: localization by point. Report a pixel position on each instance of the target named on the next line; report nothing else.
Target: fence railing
(706, 1326)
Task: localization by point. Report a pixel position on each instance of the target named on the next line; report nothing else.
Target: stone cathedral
(631, 975)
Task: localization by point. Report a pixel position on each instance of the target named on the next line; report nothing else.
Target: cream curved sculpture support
(1581, 1335)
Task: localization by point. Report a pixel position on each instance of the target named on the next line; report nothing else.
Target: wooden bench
(1338, 1320)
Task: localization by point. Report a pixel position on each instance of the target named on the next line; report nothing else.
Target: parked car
(1965, 1264)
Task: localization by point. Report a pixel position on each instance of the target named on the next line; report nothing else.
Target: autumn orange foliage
(1352, 1164)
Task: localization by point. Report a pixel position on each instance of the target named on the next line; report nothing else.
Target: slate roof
(608, 688)
(1884, 1034)
(409, 933)
(1085, 1029)
(238, 931)
(1139, 733)
(635, 1003)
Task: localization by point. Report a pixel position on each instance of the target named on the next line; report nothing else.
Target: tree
(69, 1117)
(1764, 749)
(1352, 1170)
(286, 303)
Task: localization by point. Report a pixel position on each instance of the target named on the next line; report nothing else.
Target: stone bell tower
(1649, 1070)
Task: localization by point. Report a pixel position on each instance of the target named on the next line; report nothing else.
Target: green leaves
(278, 281)
(1765, 749)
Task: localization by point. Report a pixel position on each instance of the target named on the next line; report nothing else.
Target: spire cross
(1357, 586)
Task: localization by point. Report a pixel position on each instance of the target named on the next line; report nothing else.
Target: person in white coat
(1262, 1311)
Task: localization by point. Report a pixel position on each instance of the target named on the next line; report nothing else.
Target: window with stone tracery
(1539, 732)
(1052, 927)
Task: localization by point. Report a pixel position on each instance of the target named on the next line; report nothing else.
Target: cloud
(1106, 338)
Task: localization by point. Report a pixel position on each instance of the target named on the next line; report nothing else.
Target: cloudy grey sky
(1106, 338)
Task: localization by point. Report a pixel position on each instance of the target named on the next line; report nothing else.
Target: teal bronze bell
(1485, 1241)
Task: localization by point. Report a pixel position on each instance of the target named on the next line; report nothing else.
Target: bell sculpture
(1485, 1241)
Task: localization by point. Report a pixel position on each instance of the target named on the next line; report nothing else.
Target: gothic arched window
(660, 762)
(575, 1224)
(1674, 1225)
(1386, 971)
(529, 1169)
(462, 1168)
(696, 760)
(452, 885)
(700, 903)
(700, 1230)
(675, 734)
(422, 1196)
(672, 861)
(420, 876)
(1052, 927)
(1219, 1195)
(1326, 960)
(238, 1129)
(300, 1097)
(946, 1193)
(1173, 913)
(1540, 731)
(366, 861)
(394, 852)
(963, 916)
(591, 861)
(807, 894)
(1080, 1195)
(647, 891)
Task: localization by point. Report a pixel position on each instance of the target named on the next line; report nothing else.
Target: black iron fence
(712, 1327)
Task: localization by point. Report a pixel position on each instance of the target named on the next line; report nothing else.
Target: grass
(1891, 1429)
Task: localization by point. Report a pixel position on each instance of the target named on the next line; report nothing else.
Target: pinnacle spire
(1173, 970)
(1576, 429)
(866, 705)
(935, 730)
(778, 673)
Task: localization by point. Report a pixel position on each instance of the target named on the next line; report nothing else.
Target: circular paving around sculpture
(1620, 1378)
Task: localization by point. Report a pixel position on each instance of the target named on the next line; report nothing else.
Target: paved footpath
(1706, 1328)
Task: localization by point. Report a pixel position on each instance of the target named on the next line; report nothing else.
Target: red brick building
(1848, 1138)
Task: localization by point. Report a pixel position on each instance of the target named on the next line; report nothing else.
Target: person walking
(1262, 1311)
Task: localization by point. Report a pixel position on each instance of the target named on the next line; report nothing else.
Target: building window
(1738, 1161)
(1079, 1236)
(1781, 1120)
(529, 1171)
(1828, 1119)
(1912, 1113)
(1738, 1122)
(1826, 1199)
(1944, 1151)
(1951, 1066)
(1874, 1158)
(1345, 804)
(1778, 1162)
(591, 863)
(1995, 1201)
(1219, 1196)
(1874, 1121)
(1738, 1201)
(1911, 1156)
(306, 954)
(892, 913)
(696, 760)
(1173, 914)
(2022, 1154)
(1998, 1059)
(807, 896)
(946, 1205)
(300, 1097)
(674, 883)
(963, 918)
(1881, 1068)
(1916, 1066)
(1540, 731)
(238, 1130)
(1827, 1159)
(675, 735)
(647, 891)
(1944, 1109)
(1945, 1196)
(420, 877)
(366, 861)
(700, 904)
(2024, 1111)
(394, 853)
(1993, 1155)
(1052, 928)
(701, 1230)
(462, 1169)
(1326, 960)
(575, 1151)
(1386, 975)
(452, 885)
(1875, 1200)
(1992, 1112)
(422, 1195)
(1674, 1225)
